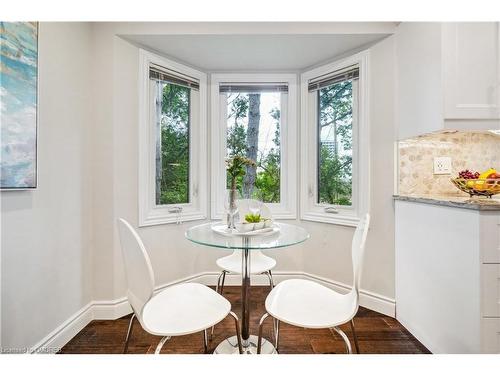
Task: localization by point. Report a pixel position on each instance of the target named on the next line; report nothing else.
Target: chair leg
(223, 281)
(205, 341)
(238, 334)
(161, 343)
(356, 344)
(261, 324)
(129, 332)
(344, 337)
(218, 282)
(270, 277)
(216, 290)
(276, 334)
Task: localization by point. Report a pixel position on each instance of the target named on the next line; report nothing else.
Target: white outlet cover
(442, 165)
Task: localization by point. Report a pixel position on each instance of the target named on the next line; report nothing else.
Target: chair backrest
(138, 270)
(358, 250)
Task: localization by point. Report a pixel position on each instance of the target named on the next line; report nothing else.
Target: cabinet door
(419, 104)
(490, 335)
(490, 290)
(471, 70)
(489, 236)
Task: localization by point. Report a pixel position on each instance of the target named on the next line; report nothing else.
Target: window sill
(171, 219)
(338, 219)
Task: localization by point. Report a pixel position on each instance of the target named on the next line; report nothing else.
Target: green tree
(335, 163)
(268, 178)
(240, 142)
(173, 175)
(252, 143)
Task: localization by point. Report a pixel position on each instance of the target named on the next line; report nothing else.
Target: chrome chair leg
(223, 281)
(238, 334)
(270, 277)
(161, 343)
(356, 344)
(205, 341)
(276, 334)
(344, 337)
(129, 332)
(261, 324)
(218, 282)
(217, 291)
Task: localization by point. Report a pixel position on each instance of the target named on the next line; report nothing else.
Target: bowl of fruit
(483, 184)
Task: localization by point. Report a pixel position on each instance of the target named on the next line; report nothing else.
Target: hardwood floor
(377, 334)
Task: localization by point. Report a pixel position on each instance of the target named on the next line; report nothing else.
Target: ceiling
(287, 52)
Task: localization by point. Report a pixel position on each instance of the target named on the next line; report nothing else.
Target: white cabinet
(447, 277)
(447, 73)
(471, 61)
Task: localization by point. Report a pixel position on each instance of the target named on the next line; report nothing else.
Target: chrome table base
(230, 346)
(249, 342)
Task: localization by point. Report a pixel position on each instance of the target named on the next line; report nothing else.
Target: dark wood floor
(377, 334)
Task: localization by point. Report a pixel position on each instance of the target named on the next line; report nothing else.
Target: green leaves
(267, 179)
(251, 218)
(174, 184)
(335, 142)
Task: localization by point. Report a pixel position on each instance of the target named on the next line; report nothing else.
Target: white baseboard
(65, 332)
(114, 309)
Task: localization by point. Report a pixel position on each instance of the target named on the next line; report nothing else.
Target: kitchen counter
(481, 204)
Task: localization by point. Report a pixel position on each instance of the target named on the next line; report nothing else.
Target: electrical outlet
(442, 165)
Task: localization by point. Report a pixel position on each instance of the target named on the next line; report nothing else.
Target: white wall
(46, 233)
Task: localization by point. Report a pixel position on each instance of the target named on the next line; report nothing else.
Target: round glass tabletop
(284, 235)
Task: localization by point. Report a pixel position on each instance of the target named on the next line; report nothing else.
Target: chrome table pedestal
(230, 346)
(248, 342)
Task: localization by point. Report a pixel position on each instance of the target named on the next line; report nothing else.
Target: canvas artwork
(18, 101)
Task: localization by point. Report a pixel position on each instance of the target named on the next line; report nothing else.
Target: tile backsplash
(475, 151)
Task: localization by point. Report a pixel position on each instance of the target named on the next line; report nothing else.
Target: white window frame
(287, 208)
(310, 209)
(149, 212)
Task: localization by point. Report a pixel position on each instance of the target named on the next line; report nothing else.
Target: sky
(267, 128)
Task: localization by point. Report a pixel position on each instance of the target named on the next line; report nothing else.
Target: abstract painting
(18, 104)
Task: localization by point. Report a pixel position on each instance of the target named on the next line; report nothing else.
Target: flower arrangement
(235, 167)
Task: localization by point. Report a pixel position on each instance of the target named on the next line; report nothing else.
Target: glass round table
(282, 235)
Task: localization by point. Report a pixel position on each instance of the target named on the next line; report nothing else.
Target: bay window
(254, 116)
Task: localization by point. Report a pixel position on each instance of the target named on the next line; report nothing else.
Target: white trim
(64, 332)
(309, 209)
(287, 208)
(149, 212)
(114, 309)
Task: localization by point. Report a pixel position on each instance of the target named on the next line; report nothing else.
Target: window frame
(149, 212)
(310, 209)
(287, 208)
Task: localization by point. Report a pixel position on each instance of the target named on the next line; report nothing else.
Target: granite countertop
(481, 204)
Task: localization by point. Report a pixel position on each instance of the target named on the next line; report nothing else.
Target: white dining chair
(308, 304)
(178, 310)
(260, 264)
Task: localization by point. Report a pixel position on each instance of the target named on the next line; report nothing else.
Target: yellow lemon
(485, 175)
